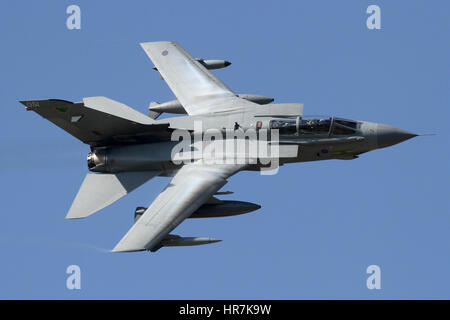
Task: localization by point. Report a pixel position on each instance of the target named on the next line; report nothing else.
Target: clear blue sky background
(321, 224)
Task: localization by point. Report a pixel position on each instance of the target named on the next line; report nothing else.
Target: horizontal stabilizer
(100, 190)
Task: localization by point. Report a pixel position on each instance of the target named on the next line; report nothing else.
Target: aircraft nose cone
(389, 135)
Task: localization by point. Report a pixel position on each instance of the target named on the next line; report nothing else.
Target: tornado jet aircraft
(129, 148)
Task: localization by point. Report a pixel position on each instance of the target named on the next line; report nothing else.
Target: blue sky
(321, 224)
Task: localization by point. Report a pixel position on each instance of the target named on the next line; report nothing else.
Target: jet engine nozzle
(97, 160)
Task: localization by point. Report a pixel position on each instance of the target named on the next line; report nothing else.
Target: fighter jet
(128, 148)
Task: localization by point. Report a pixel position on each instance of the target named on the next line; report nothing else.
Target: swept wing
(197, 89)
(191, 186)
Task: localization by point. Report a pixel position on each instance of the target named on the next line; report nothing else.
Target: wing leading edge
(191, 186)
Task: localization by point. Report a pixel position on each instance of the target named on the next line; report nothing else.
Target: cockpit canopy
(314, 126)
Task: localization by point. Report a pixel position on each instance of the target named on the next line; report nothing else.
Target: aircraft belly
(156, 156)
(326, 152)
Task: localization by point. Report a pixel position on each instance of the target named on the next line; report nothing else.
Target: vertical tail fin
(96, 121)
